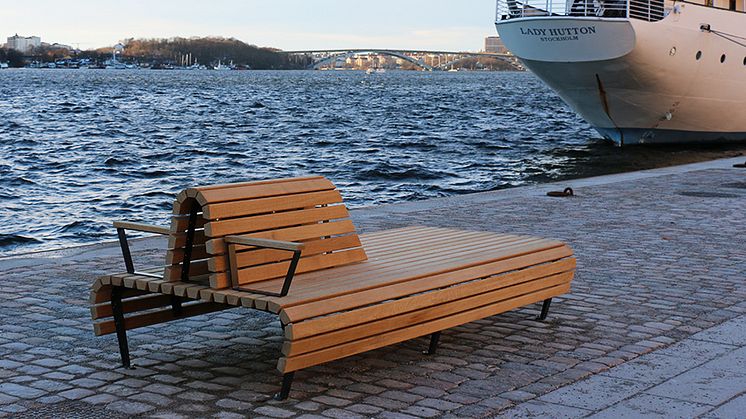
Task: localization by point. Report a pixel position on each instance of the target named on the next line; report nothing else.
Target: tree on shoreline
(12, 57)
(206, 51)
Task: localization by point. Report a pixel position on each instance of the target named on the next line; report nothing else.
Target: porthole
(744, 60)
(722, 58)
(699, 55)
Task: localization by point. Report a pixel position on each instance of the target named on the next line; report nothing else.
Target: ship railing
(649, 10)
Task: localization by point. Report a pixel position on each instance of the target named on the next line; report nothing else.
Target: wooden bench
(288, 247)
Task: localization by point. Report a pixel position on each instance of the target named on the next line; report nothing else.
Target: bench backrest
(308, 210)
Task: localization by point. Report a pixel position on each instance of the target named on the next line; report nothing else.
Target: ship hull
(641, 82)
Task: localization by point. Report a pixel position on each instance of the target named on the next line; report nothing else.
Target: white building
(23, 43)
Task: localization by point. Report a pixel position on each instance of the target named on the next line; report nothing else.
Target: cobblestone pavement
(661, 267)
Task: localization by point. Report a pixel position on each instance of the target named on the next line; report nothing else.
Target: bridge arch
(347, 54)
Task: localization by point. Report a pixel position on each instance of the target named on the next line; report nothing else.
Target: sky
(287, 24)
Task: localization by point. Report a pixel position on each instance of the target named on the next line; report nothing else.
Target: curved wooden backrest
(308, 210)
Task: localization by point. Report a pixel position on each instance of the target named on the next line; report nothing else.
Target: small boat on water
(639, 71)
(223, 67)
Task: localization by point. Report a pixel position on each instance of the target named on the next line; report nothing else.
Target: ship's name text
(559, 34)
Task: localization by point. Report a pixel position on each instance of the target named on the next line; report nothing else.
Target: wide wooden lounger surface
(399, 285)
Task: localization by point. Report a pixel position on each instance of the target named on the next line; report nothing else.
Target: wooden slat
(181, 223)
(267, 205)
(262, 256)
(286, 365)
(245, 225)
(292, 234)
(311, 263)
(393, 258)
(445, 308)
(147, 302)
(148, 319)
(396, 262)
(176, 256)
(386, 301)
(178, 240)
(104, 294)
(192, 192)
(262, 190)
(220, 280)
(196, 267)
(336, 286)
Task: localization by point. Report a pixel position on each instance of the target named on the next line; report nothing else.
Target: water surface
(81, 148)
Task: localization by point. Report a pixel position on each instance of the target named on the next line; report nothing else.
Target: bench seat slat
(239, 192)
(286, 364)
(316, 317)
(266, 205)
(340, 285)
(247, 225)
(447, 307)
(395, 258)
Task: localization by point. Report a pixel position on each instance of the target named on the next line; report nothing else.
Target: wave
(13, 241)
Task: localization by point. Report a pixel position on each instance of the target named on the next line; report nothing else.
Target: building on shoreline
(493, 44)
(23, 44)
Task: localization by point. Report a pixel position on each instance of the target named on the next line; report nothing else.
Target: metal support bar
(127, 255)
(434, 339)
(545, 309)
(287, 382)
(189, 242)
(118, 313)
(176, 305)
(126, 250)
(288, 277)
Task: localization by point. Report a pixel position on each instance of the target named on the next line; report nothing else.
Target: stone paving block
(152, 398)
(102, 398)
(648, 406)
(20, 391)
(129, 407)
(76, 393)
(733, 409)
(7, 399)
(703, 385)
(733, 361)
(594, 393)
(274, 412)
(691, 351)
(653, 368)
(422, 412)
(540, 409)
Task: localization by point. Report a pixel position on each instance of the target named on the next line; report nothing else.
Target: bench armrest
(296, 248)
(121, 227)
(266, 243)
(145, 228)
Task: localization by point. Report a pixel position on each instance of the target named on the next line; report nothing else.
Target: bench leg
(118, 313)
(434, 339)
(545, 309)
(287, 381)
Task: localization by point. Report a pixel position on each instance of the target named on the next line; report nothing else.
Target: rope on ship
(724, 35)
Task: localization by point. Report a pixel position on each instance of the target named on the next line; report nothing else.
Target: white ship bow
(639, 71)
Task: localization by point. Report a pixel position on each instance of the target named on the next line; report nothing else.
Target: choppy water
(80, 148)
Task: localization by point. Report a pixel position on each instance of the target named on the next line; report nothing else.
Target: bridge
(425, 60)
